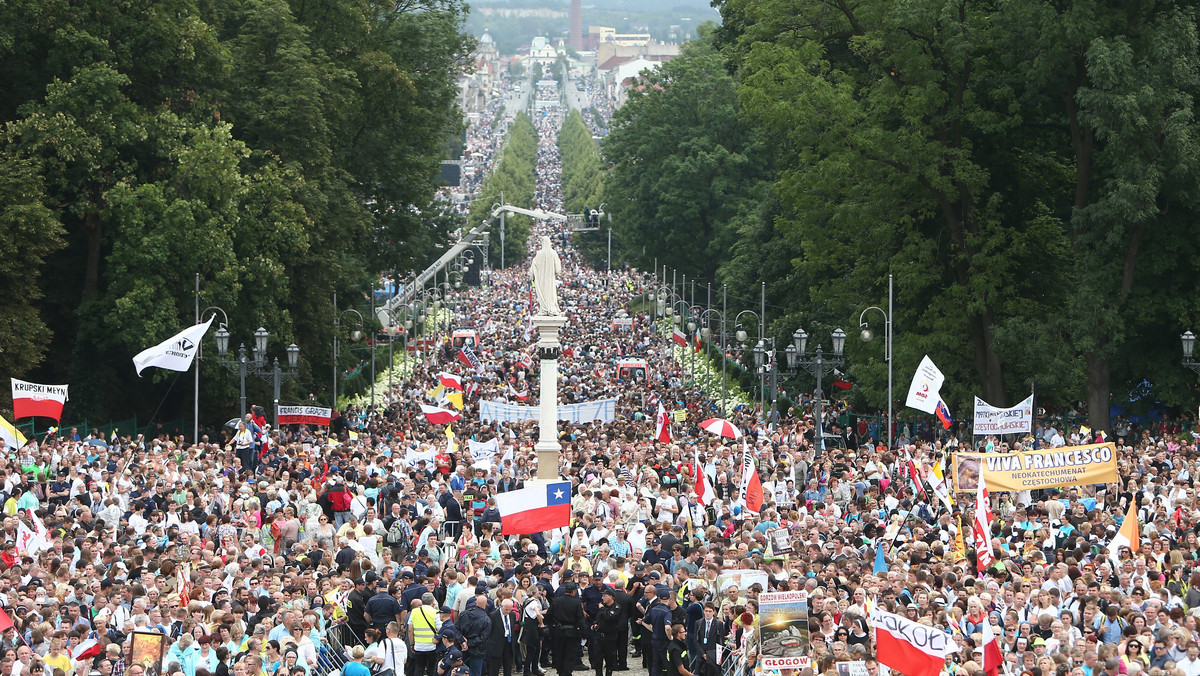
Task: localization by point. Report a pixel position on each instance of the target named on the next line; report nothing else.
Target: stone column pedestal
(548, 447)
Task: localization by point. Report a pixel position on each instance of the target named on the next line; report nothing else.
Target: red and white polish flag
(439, 416)
(662, 428)
(32, 400)
(450, 380)
(679, 337)
(535, 509)
(910, 648)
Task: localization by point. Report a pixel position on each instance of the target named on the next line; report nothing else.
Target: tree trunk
(95, 238)
(1098, 389)
(987, 362)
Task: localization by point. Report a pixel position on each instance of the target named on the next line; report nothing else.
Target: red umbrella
(721, 427)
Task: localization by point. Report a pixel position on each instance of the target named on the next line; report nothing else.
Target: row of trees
(513, 176)
(1026, 171)
(283, 150)
(582, 184)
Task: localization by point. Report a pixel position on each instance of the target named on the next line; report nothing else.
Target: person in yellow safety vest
(423, 624)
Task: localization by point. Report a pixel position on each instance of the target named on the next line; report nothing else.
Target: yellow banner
(1031, 470)
(680, 415)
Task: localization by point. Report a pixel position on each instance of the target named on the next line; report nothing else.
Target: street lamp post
(818, 365)
(741, 337)
(867, 336)
(706, 334)
(1188, 339)
(355, 336)
(256, 365)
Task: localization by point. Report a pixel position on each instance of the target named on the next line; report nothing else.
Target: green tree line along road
(1027, 171)
(282, 150)
(512, 175)
(583, 185)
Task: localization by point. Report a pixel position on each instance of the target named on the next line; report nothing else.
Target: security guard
(657, 620)
(608, 625)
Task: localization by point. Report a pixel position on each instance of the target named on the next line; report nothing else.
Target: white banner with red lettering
(32, 400)
(304, 415)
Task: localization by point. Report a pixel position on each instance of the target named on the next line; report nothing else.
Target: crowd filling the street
(792, 540)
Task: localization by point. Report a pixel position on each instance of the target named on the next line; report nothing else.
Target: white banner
(175, 353)
(412, 457)
(604, 410)
(483, 450)
(304, 415)
(923, 393)
(992, 420)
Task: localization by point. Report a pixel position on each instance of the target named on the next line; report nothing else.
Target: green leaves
(513, 177)
(281, 150)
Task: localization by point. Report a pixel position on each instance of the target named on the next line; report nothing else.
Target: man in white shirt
(1191, 665)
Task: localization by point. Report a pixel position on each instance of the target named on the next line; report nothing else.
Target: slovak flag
(450, 380)
(679, 337)
(943, 414)
(439, 416)
(535, 509)
(662, 431)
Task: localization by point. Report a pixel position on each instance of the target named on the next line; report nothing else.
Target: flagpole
(196, 387)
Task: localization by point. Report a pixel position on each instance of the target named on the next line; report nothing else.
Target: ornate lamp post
(818, 365)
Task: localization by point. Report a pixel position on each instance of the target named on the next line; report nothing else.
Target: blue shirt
(355, 669)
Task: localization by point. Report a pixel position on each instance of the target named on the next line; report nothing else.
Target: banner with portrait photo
(783, 630)
(743, 580)
(1031, 470)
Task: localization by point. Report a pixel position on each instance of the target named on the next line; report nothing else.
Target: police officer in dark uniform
(590, 595)
(566, 617)
(657, 620)
(677, 657)
(624, 601)
(608, 625)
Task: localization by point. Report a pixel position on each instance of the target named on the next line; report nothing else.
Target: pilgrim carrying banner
(604, 410)
(993, 420)
(1031, 470)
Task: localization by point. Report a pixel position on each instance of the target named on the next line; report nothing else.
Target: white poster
(483, 450)
(992, 420)
(604, 410)
(924, 392)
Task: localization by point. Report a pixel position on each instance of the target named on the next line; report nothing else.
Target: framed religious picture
(781, 540)
(149, 648)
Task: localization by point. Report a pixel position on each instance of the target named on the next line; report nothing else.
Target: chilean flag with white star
(535, 509)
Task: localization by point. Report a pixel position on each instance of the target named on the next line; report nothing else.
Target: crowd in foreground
(377, 547)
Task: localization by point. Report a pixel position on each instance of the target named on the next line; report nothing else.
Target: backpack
(396, 535)
(340, 500)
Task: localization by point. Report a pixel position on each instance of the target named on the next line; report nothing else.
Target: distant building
(575, 38)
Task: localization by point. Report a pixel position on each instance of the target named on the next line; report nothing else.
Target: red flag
(915, 476)
(705, 493)
(992, 659)
(6, 622)
(752, 490)
(450, 380)
(663, 429)
(910, 648)
(679, 337)
(439, 416)
(466, 356)
(698, 347)
(841, 384)
(981, 529)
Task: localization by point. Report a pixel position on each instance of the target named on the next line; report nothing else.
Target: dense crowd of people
(376, 547)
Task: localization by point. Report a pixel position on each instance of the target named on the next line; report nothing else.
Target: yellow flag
(449, 432)
(455, 399)
(11, 435)
(436, 392)
(960, 545)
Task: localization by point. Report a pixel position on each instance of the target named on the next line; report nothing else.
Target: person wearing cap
(657, 621)
(567, 622)
(608, 624)
(451, 660)
(383, 608)
(356, 602)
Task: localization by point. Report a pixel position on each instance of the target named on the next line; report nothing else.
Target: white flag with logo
(175, 353)
(926, 384)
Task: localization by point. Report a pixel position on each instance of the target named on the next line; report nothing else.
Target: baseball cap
(664, 594)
